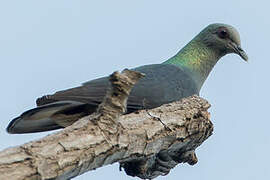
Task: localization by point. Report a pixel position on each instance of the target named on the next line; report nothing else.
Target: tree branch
(147, 143)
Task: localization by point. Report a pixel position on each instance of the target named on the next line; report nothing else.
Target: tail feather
(49, 117)
(19, 125)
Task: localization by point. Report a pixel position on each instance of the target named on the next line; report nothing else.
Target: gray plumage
(180, 76)
(159, 86)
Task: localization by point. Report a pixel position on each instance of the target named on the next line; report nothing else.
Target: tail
(49, 117)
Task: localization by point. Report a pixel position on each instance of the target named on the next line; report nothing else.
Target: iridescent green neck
(197, 58)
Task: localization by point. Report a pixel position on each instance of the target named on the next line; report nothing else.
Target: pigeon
(178, 77)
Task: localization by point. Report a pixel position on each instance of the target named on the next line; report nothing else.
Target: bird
(178, 77)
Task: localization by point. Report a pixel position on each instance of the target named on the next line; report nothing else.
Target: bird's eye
(222, 33)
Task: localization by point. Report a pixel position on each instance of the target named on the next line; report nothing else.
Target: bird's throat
(196, 58)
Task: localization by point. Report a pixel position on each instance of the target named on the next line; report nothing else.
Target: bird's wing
(162, 84)
(91, 92)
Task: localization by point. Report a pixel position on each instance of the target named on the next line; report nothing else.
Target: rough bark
(147, 143)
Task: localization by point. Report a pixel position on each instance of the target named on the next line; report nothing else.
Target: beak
(238, 50)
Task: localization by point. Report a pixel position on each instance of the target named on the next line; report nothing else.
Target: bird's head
(224, 39)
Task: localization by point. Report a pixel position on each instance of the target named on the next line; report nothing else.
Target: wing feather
(163, 83)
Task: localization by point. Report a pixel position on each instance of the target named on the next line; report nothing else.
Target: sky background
(46, 46)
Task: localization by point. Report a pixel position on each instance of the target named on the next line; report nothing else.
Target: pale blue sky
(47, 46)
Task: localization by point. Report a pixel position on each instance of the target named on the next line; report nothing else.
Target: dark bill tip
(242, 53)
(238, 50)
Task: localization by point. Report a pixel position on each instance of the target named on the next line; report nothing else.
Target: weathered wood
(147, 143)
(185, 125)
